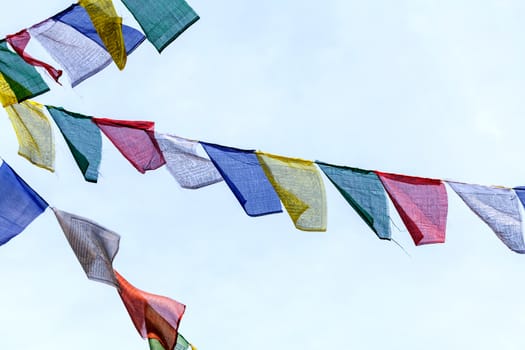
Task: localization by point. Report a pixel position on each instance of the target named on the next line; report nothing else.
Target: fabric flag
(94, 246)
(83, 138)
(182, 344)
(72, 40)
(300, 187)
(520, 191)
(185, 164)
(34, 134)
(19, 204)
(363, 190)
(421, 203)
(135, 140)
(19, 79)
(244, 175)
(19, 43)
(162, 20)
(498, 207)
(154, 316)
(109, 28)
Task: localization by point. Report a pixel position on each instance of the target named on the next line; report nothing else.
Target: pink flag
(421, 203)
(135, 140)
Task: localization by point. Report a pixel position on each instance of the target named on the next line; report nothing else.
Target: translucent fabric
(7, 95)
(245, 177)
(19, 204)
(154, 316)
(421, 203)
(135, 140)
(162, 20)
(300, 187)
(498, 208)
(34, 134)
(83, 138)
(363, 190)
(94, 246)
(21, 77)
(185, 164)
(109, 28)
(19, 43)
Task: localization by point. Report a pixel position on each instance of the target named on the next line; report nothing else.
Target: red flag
(421, 203)
(135, 140)
(19, 43)
(154, 316)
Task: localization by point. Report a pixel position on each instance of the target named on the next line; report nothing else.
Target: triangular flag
(245, 177)
(19, 204)
(185, 164)
(22, 78)
(363, 190)
(109, 28)
(135, 140)
(154, 316)
(162, 20)
(498, 208)
(421, 203)
(19, 43)
(72, 40)
(33, 132)
(300, 187)
(94, 245)
(83, 138)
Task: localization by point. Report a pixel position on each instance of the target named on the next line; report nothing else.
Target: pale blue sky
(425, 88)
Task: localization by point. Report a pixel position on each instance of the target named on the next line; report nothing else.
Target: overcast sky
(424, 88)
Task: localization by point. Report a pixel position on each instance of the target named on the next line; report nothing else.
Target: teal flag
(162, 20)
(363, 190)
(83, 138)
(23, 79)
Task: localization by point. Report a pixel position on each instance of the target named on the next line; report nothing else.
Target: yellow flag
(7, 95)
(300, 187)
(109, 27)
(34, 134)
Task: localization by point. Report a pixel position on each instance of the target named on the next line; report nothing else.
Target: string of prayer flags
(34, 134)
(94, 246)
(300, 187)
(19, 80)
(184, 163)
(19, 43)
(162, 20)
(19, 204)
(135, 140)
(109, 28)
(154, 316)
(498, 207)
(83, 139)
(421, 203)
(363, 190)
(72, 40)
(246, 179)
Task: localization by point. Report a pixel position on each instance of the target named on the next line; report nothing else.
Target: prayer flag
(135, 140)
(300, 187)
(94, 246)
(185, 164)
(72, 40)
(19, 78)
(363, 190)
(244, 175)
(498, 207)
(520, 192)
(19, 43)
(83, 138)
(162, 20)
(154, 316)
(182, 344)
(19, 204)
(109, 28)
(34, 134)
(421, 203)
